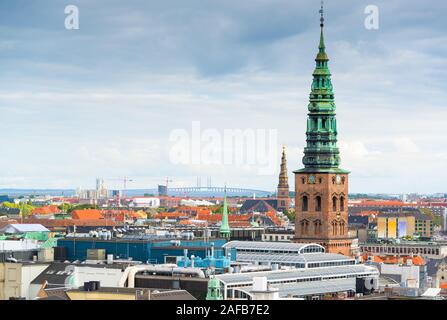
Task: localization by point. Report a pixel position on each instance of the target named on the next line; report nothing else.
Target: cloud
(103, 100)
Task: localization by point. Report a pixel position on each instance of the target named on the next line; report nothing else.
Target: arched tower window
(305, 206)
(317, 203)
(334, 203)
(334, 228)
(342, 228)
(317, 227)
(342, 203)
(304, 226)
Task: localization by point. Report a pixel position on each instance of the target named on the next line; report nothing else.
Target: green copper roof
(225, 227)
(214, 290)
(321, 153)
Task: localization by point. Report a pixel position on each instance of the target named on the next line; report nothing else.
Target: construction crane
(167, 182)
(125, 180)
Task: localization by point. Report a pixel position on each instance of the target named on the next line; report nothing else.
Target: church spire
(225, 227)
(283, 202)
(321, 152)
(283, 179)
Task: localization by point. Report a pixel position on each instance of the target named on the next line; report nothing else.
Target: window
(305, 226)
(317, 227)
(334, 228)
(305, 204)
(334, 203)
(318, 203)
(342, 203)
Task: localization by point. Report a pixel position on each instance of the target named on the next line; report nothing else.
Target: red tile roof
(52, 223)
(85, 214)
(417, 260)
(169, 215)
(46, 210)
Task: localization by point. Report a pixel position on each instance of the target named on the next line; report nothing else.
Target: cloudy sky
(105, 100)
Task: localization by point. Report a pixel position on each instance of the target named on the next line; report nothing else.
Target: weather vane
(322, 12)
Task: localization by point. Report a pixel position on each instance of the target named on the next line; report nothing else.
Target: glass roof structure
(298, 275)
(312, 287)
(281, 258)
(283, 247)
(299, 255)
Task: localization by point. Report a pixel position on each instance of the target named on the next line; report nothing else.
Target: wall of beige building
(15, 279)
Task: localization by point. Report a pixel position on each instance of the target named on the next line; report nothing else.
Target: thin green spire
(321, 46)
(225, 227)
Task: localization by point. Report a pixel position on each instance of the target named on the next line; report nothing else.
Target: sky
(112, 98)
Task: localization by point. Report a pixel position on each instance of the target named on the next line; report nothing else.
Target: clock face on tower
(311, 178)
(338, 178)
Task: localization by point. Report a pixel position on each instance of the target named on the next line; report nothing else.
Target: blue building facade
(150, 251)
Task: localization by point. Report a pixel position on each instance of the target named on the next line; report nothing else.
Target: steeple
(321, 187)
(225, 227)
(321, 153)
(283, 184)
(322, 56)
(283, 179)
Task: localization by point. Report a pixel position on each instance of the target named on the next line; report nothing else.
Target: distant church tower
(321, 187)
(283, 185)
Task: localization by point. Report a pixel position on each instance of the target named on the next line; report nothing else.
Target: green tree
(65, 207)
(437, 220)
(217, 209)
(290, 214)
(25, 209)
(81, 207)
(8, 204)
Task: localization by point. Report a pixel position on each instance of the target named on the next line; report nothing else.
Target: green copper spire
(225, 227)
(321, 153)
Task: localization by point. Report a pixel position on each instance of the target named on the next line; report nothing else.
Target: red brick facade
(321, 206)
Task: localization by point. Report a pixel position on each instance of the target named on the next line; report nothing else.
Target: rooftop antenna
(322, 14)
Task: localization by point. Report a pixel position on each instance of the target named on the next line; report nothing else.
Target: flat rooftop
(284, 247)
(292, 275)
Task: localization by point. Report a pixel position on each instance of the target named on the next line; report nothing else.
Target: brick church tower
(283, 185)
(321, 187)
